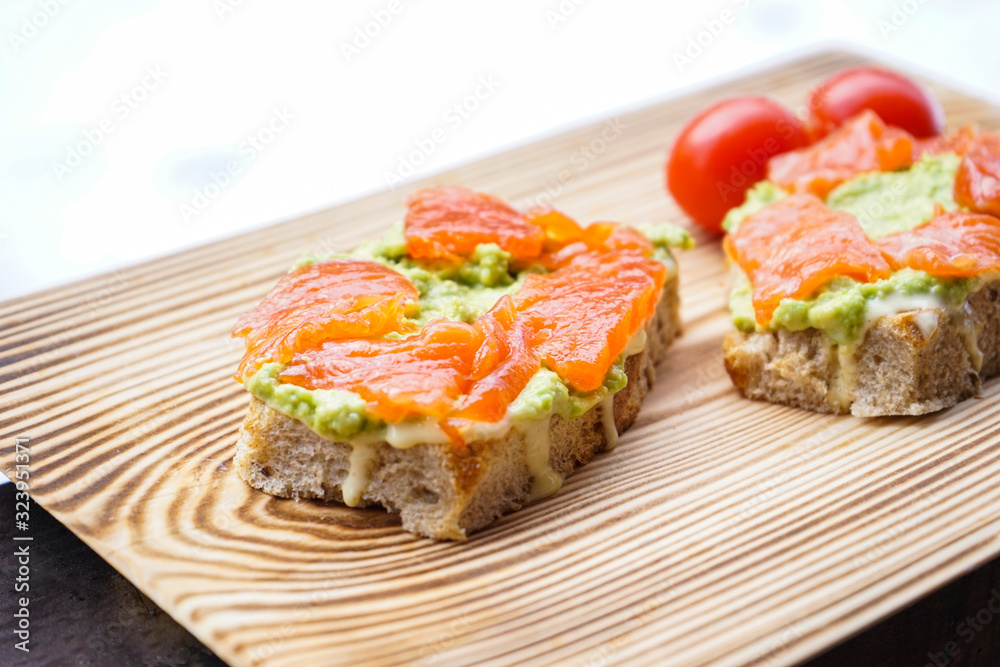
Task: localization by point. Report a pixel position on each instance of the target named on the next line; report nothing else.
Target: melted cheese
(929, 308)
(407, 434)
(927, 322)
(840, 393)
(473, 431)
(359, 475)
(969, 328)
(899, 303)
(636, 343)
(544, 480)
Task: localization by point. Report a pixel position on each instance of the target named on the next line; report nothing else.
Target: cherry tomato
(896, 99)
(724, 150)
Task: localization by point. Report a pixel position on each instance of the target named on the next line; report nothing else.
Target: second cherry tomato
(896, 99)
(724, 150)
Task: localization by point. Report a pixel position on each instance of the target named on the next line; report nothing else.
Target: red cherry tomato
(724, 150)
(896, 99)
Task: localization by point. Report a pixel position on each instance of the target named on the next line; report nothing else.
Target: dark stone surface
(940, 630)
(81, 611)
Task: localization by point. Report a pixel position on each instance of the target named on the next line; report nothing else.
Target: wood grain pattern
(719, 531)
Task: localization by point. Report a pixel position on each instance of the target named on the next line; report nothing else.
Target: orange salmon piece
(977, 182)
(952, 245)
(587, 311)
(864, 143)
(328, 321)
(449, 370)
(793, 247)
(565, 239)
(506, 360)
(449, 222)
(420, 375)
(320, 302)
(559, 228)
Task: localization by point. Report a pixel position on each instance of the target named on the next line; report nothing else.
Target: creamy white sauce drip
(636, 343)
(841, 390)
(544, 480)
(407, 434)
(969, 329)
(927, 322)
(608, 419)
(895, 304)
(927, 317)
(359, 475)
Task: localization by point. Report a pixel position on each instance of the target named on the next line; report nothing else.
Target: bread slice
(437, 490)
(911, 363)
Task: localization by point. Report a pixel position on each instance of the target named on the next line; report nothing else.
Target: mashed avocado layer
(898, 201)
(331, 413)
(759, 196)
(460, 293)
(884, 203)
(843, 309)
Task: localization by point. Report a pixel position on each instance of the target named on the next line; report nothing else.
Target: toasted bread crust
(437, 490)
(899, 369)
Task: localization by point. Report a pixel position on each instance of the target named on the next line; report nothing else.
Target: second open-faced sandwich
(866, 272)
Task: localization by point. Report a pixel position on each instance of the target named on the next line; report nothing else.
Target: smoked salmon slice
(588, 311)
(342, 324)
(447, 370)
(576, 321)
(565, 239)
(505, 361)
(864, 143)
(419, 375)
(792, 248)
(324, 301)
(952, 245)
(449, 222)
(977, 182)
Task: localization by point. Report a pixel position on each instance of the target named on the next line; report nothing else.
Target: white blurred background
(134, 128)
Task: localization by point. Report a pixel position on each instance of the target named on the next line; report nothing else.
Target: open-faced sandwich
(866, 266)
(875, 293)
(458, 368)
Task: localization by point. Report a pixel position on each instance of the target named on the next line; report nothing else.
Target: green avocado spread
(461, 293)
(898, 201)
(883, 203)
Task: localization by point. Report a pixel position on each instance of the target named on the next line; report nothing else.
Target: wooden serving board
(719, 531)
